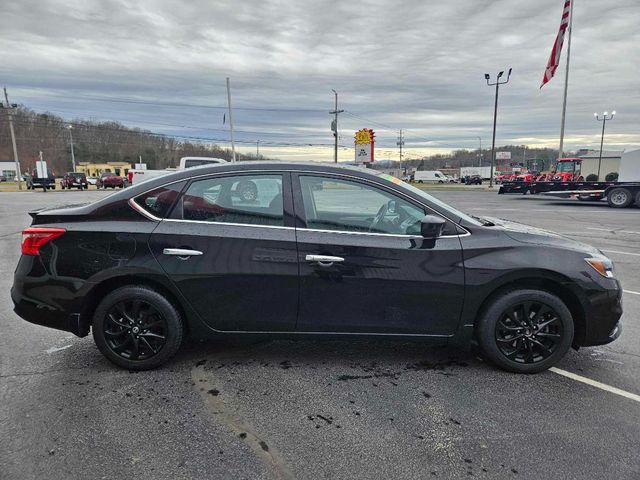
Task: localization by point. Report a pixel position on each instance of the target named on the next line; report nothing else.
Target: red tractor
(567, 170)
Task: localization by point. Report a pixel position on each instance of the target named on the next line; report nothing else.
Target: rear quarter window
(158, 202)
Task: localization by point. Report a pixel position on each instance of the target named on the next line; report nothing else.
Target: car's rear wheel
(525, 331)
(137, 328)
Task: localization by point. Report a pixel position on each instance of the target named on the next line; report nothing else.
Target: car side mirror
(431, 226)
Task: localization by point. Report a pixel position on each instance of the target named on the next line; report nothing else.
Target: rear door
(230, 248)
(364, 267)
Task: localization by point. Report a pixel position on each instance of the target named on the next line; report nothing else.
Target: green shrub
(611, 177)
(592, 177)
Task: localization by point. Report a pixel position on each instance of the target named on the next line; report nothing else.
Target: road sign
(364, 141)
(503, 155)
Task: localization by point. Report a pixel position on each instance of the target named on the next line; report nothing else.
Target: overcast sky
(413, 64)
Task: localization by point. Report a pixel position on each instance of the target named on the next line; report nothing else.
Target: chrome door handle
(181, 252)
(323, 260)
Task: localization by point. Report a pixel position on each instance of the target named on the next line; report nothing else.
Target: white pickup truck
(137, 176)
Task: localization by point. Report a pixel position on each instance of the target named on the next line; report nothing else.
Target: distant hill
(94, 142)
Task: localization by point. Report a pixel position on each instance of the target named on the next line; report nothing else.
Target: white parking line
(631, 292)
(622, 253)
(593, 383)
(57, 349)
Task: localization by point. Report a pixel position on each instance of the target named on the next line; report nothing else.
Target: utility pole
(73, 156)
(233, 144)
(400, 144)
(334, 127)
(480, 152)
(495, 116)
(258, 149)
(605, 116)
(9, 107)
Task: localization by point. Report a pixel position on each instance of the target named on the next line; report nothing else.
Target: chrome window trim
(291, 170)
(204, 222)
(375, 234)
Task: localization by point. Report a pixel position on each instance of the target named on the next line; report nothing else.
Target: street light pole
(605, 116)
(497, 83)
(73, 156)
(480, 153)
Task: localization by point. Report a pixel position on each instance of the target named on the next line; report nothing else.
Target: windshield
(431, 199)
(567, 166)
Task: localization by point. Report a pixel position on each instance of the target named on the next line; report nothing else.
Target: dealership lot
(323, 409)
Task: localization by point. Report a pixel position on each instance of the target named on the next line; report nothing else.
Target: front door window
(344, 205)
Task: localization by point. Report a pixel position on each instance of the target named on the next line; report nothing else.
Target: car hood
(538, 236)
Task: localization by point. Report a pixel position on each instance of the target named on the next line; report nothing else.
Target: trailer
(619, 194)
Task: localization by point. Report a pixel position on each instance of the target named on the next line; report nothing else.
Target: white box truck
(484, 172)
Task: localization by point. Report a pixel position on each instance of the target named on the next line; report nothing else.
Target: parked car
(366, 254)
(473, 180)
(110, 180)
(92, 180)
(74, 180)
(46, 182)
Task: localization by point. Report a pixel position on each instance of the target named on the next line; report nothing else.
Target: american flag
(554, 59)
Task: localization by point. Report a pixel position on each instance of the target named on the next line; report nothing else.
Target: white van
(430, 176)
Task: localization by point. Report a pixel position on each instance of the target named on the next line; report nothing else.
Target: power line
(180, 104)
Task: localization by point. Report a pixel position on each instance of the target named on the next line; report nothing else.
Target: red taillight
(34, 238)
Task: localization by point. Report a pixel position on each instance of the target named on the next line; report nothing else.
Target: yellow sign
(363, 136)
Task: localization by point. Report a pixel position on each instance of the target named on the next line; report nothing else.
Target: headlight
(602, 265)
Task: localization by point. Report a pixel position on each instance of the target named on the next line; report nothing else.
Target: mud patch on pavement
(238, 426)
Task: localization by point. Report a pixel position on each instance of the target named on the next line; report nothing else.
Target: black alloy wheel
(137, 328)
(525, 330)
(134, 329)
(528, 332)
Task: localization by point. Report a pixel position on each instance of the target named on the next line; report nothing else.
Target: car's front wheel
(137, 328)
(525, 331)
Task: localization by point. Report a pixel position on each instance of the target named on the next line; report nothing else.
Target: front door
(230, 249)
(364, 266)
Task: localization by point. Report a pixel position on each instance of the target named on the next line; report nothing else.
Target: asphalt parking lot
(323, 409)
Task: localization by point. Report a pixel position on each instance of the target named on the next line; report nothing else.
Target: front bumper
(602, 319)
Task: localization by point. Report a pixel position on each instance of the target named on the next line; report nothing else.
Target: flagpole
(566, 83)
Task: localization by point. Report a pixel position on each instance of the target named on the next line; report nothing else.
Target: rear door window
(254, 199)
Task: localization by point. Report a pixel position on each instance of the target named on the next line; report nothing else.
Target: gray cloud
(416, 65)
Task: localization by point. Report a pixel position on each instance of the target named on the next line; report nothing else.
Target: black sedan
(314, 250)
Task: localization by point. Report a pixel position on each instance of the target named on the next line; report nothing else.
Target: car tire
(127, 349)
(521, 346)
(619, 197)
